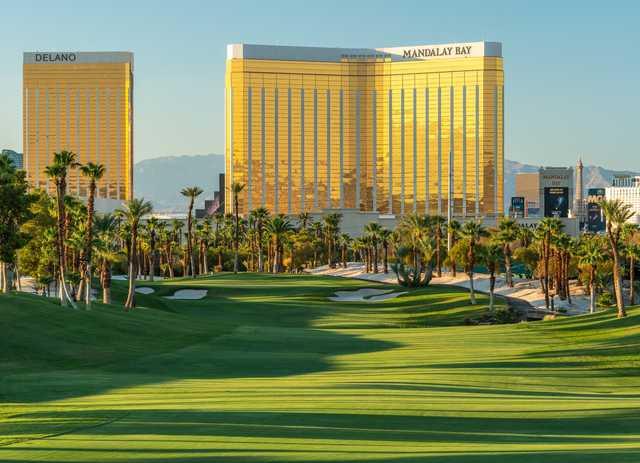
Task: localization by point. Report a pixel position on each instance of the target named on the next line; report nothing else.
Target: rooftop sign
(77, 57)
(410, 53)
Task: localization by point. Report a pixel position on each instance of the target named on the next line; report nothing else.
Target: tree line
(63, 243)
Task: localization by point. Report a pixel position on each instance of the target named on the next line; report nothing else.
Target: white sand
(527, 290)
(188, 294)
(145, 290)
(364, 295)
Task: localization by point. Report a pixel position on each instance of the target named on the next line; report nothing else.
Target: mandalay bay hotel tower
(385, 130)
(80, 102)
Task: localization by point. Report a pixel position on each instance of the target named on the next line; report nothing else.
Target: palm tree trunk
(131, 298)
(438, 263)
(592, 290)
(472, 294)
(152, 265)
(507, 266)
(18, 282)
(386, 259)
(492, 287)
(632, 299)
(3, 277)
(617, 279)
(545, 253)
(375, 258)
(566, 276)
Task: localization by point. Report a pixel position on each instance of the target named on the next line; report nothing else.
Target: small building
(626, 189)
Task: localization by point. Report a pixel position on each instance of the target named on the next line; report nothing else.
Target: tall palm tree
(508, 232)
(591, 255)
(304, 218)
(373, 230)
(152, 228)
(413, 228)
(192, 193)
(385, 239)
(616, 214)
(344, 240)
(106, 251)
(236, 188)
(492, 255)
(63, 161)
(332, 228)
(278, 228)
(437, 222)
(548, 228)
(260, 218)
(631, 238)
(132, 212)
(453, 232)
(472, 232)
(94, 172)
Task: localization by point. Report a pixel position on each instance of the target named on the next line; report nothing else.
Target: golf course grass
(266, 369)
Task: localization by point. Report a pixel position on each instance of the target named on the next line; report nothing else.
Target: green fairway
(267, 369)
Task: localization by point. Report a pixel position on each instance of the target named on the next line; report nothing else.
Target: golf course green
(266, 369)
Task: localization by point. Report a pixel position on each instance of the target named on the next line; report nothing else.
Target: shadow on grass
(371, 437)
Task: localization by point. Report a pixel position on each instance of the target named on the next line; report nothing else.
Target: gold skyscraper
(368, 129)
(81, 102)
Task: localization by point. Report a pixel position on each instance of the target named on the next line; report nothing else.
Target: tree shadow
(189, 435)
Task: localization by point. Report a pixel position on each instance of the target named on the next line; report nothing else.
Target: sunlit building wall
(309, 129)
(80, 102)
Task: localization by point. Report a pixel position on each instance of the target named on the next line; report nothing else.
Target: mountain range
(160, 179)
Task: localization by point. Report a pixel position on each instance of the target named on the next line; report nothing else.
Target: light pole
(450, 201)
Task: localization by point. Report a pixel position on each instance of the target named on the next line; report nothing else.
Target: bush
(605, 299)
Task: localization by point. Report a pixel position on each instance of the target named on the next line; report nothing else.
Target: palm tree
(472, 232)
(508, 232)
(591, 255)
(304, 218)
(548, 228)
(260, 217)
(492, 255)
(174, 243)
(106, 251)
(344, 241)
(132, 212)
(94, 172)
(152, 227)
(236, 188)
(616, 214)
(331, 228)
(204, 235)
(385, 238)
(62, 162)
(373, 230)
(192, 193)
(437, 222)
(453, 231)
(631, 237)
(278, 228)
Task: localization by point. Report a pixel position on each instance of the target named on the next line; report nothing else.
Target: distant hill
(161, 179)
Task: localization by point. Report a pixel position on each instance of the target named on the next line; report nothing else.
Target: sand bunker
(188, 294)
(145, 290)
(365, 295)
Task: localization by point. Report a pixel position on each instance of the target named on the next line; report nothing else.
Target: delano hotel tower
(383, 130)
(81, 102)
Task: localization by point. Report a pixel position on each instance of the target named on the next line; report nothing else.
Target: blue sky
(571, 68)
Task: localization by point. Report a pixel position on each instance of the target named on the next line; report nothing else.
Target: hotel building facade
(385, 130)
(80, 102)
